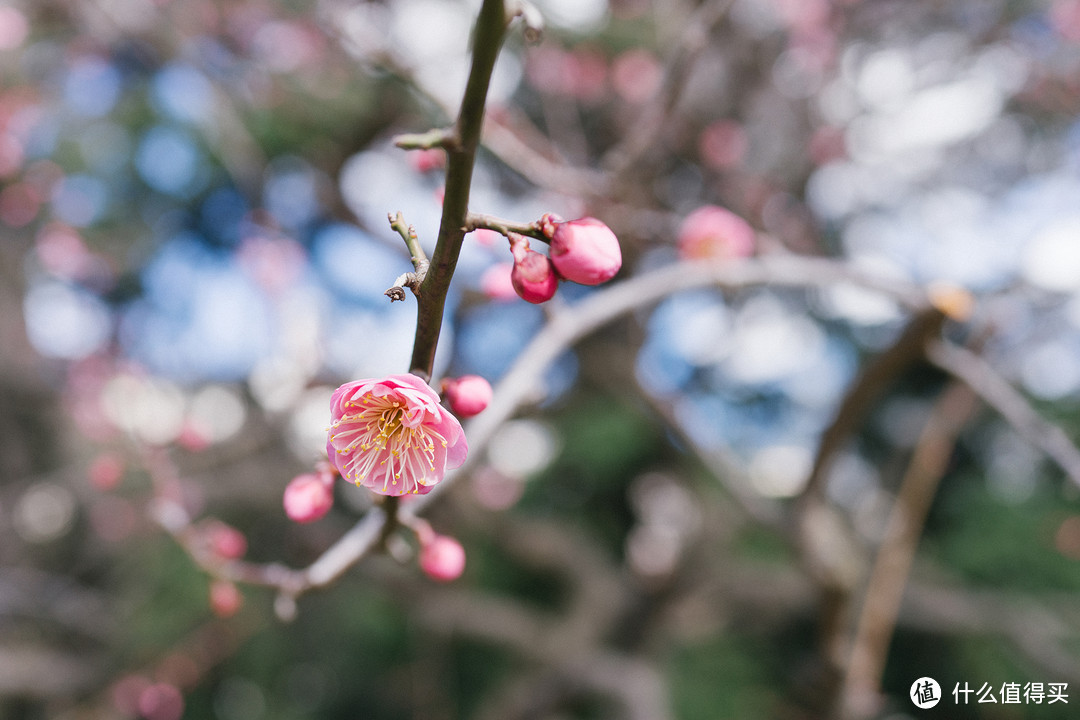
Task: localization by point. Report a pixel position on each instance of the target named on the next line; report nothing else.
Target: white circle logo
(925, 693)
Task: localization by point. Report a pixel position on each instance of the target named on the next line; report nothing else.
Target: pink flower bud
(225, 598)
(106, 471)
(308, 497)
(713, 232)
(533, 275)
(225, 541)
(161, 701)
(442, 558)
(584, 251)
(467, 395)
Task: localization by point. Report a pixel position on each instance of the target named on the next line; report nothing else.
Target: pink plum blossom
(467, 395)
(533, 275)
(713, 232)
(636, 75)
(584, 251)
(392, 436)
(308, 497)
(442, 558)
(723, 144)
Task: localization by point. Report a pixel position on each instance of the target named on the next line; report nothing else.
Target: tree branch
(973, 370)
(487, 39)
(859, 696)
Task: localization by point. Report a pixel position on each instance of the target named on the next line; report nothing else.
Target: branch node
(435, 138)
(530, 18)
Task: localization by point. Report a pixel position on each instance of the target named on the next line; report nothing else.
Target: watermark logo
(925, 693)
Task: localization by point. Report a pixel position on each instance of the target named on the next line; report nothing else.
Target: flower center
(382, 446)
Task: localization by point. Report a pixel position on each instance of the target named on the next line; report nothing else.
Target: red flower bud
(533, 275)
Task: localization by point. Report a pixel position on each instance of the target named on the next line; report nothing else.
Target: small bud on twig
(531, 18)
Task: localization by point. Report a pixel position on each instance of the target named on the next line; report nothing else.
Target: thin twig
(989, 385)
(415, 279)
(476, 221)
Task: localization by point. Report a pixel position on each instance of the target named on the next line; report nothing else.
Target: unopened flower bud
(467, 395)
(225, 598)
(713, 232)
(224, 540)
(161, 701)
(442, 558)
(308, 497)
(533, 275)
(106, 471)
(584, 251)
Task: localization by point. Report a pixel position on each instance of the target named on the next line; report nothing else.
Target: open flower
(391, 435)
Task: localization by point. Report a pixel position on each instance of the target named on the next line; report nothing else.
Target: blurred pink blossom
(392, 435)
(225, 598)
(161, 701)
(1065, 19)
(424, 161)
(636, 75)
(309, 497)
(224, 540)
(485, 237)
(714, 232)
(442, 558)
(723, 144)
(14, 27)
(497, 284)
(106, 471)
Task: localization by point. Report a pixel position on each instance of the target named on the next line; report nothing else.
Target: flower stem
(475, 221)
(461, 157)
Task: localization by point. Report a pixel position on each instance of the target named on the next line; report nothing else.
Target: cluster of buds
(584, 251)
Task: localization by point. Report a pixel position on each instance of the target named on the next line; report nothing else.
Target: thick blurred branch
(859, 695)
